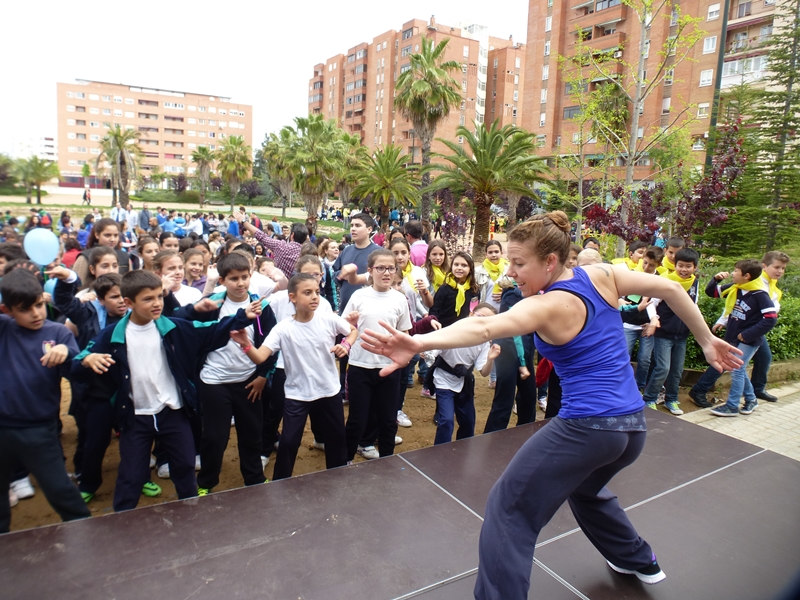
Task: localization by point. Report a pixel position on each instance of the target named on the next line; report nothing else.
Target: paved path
(773, 425)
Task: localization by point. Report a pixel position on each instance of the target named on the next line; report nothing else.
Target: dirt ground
(35, 512)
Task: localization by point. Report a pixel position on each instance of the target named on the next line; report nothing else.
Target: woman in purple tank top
(600, 428)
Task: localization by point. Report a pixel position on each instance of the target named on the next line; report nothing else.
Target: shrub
(190, 196)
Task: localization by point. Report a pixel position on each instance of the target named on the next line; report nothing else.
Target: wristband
(247, 349)
(346, 345)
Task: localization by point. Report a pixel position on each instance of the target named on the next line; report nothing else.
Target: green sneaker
(203, 491)
(87, 497)
(651, 405)
(151, 490)
(266, 481)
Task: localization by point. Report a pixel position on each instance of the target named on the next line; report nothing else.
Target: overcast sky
(260, 53)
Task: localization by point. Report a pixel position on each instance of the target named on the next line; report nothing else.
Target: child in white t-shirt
(307, 342)
(169, 264)
(367, 390)
(455, 384)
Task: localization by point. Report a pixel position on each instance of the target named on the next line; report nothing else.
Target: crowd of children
(172, 343)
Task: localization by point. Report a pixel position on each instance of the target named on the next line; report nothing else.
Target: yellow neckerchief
(438, 277)
(632, 266)
(731, 293)
(640, 267)
(771, 287)
(461, 296)
(686, 284)
(407, 275)
(663, 271)
(495, 271)
(667, 264)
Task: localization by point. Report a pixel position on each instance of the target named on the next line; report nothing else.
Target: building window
(94, 111)
(106, 98)
(705, 77)
(405, 51)
(518, 62)
(542, 119)
(516, 95)
(192, 108)
(545, 72)
(674, 17)
(117, 112)
(665, 105)
(128, 114)
(70, 121)
(93, 124)
(547, 48)
(702, 110)
(495, 64)
(570, 112)
(70, 94)
(669, 76)
(713, 12)
(81, 136)
(118, 99)
(466, 51)
(201, 108)
(128, 100)
(70, 108)
(698, 143)
(94, 137)
(70, 136)
(548, 23)
(745, 9)
(81, 123)
(672, 44)
(173, 105)
(710, 45)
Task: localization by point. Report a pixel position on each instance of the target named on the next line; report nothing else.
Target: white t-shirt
(229, 364)
(477, 355)
(284, 309)
(372, 306)
(415, 298)
(311, 371)
(152, 385)
(260, 285)
(188, 295)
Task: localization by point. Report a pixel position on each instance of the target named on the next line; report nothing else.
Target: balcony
(750, 13)
(615, 14)
(746, 45)
(606, 42)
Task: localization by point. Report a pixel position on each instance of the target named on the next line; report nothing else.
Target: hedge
(784, 339)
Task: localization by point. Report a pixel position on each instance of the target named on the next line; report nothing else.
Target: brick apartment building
(173, 124)
(357, 88)
(609, 25)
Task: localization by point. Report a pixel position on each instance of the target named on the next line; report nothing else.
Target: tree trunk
(483, 213)
(513, 203)
(234, 186)
(38, 194)
(425, 181)
(384, 212)
(123, 184)
(28, 199)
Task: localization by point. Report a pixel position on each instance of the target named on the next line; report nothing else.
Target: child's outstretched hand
(90, 297)
(717, 327)
(524, 373)
(55, 356)
(240, 337)
(721, 275)
(207, 305)
(435, 325)
(98, 363)
(494, 352)
(339, 351)
(254, 310)
(58, 273)
(352, 318)
(348, 272)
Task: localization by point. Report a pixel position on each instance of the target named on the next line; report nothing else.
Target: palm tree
(204, 158)
(315, 158)
(42, 171)
(235, 160)
(120, 149)
(491, 161)
(386, 177)
(23, 171)
(276, 151)
(425, 95)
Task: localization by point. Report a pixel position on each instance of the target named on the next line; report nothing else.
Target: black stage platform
(722, 515)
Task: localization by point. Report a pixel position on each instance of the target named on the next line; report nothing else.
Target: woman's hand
(398, 347)
(721, 355)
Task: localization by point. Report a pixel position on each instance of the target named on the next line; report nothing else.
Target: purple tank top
(594, 367)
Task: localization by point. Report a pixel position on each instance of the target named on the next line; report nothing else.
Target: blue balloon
(50, 286)
(41, 246)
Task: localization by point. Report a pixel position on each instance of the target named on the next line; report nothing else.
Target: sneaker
(749, 407)
(651, 574)
(662, 396)
(651, 405)
(276, 444)
(542, 402)
(700, 399)
(426, 393)
(318, 446)
(203, 492)
(402, 419)
(764, 395)
(163, 471)
(398, 440)
(725, 411)
(233, 421)
(151, 490)
(409, 385)
(23, 488)
(674, 407)
(87, 497)
(420, 379)
(264, 462)
(152, 462)
(368, 452)
(197, 465)
(12, 498)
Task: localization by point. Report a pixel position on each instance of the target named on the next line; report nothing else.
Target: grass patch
(16, 191)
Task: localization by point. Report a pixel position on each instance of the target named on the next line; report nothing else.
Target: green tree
(204, 158)
(386, 177)
(23, 171)
(276, 155)
(86, 173)
(42, 171)
(425, 94)
(234, 159)
(351, 166)
(492, 161)
(120, 149)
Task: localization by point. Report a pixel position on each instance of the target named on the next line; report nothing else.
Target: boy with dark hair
(636, 252)
(152, 361)
(773, 267)
(749, 314)
(10, 251)
(592, 243)
(34, 353)
(230, 385)
(668, 263)
(418, 246)
(669, 345)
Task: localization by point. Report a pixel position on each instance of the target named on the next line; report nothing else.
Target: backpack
(46, 220)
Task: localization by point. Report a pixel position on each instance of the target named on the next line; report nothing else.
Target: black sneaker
(700, 399)
(651, 574)
(763, 395)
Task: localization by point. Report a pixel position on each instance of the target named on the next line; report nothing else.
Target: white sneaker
(398, 440)
(197, 465)
(368, 452)
(542, 402)
(152, 462)
(163, 471)
(264, 462)
(402, 419)
(23, 488)
(12, 498)
(514, 408)
(233, 421)
(318, 446)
